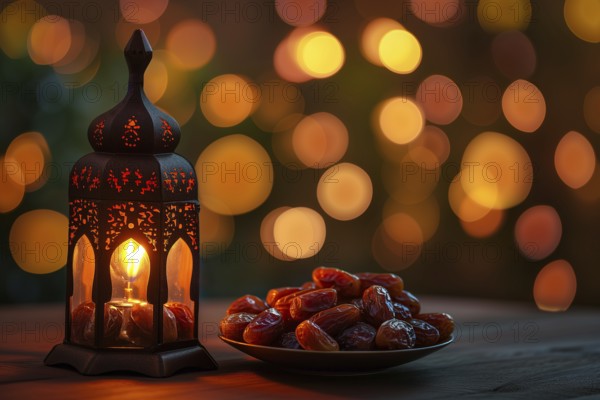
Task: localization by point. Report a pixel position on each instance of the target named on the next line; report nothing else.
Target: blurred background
(450, 141)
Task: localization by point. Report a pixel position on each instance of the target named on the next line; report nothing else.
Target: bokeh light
(590, 192)
(538, 231)
(49, 40)
(38, 241)
(504, 15)
(320, 140)
(399, 119)
(156, 79)
(514, 54)
(500, 173)
(555, 286)
(437, 12)
(582, 18)
(320, 54)
(142, 11)
(408, 183)
(440, 99)
(397, 242)
(591, 105)
(12, 190)
(267, 236)
(400, 51)
(82, 52)
(285, 58)
(300, 12)
(426, 213)
(282, 142)
(123, 32)
(232, 166)
(524, 106)
(485, 227)
(227, 100)
(299, 232)
(25, 160)
(372, 35)
(433, 140)
(279, 99)
(16, 25)
(191, 44)
(463, 206)
(216, 232)
(482, 101)
(344, 191)
(574, 160)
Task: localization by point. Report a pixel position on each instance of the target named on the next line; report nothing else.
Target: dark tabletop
(502, 349)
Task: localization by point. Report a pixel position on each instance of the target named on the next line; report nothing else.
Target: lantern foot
(158, 364)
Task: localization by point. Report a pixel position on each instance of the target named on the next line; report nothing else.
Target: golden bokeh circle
(38, 241)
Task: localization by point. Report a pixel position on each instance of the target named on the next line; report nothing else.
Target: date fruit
(82, 323)
(425, 334)
(359, 337)
(308, 285)
(441, 321)
(275, 294)
(184, 319)
(170, 327)
(305, 305)
(395, 335)
(347, 284)
(233, 325)
(336, 319)
(283, 304)
(377, 305)
(312, 337)
(248, 304)
(401, 311)
(392, 282)
(265, 328)
(288, 341)
(409, 300)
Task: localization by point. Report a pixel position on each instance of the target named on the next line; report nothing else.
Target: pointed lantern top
(135, 125)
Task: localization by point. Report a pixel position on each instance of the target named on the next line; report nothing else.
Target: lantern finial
(138, 54)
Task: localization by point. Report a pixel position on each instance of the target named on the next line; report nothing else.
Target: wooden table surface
(506, 350)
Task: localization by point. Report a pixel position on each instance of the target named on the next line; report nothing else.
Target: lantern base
(158, 364)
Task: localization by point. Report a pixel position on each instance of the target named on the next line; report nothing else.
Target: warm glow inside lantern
(133, 266)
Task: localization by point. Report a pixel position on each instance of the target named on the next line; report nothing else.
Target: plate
(334, 362)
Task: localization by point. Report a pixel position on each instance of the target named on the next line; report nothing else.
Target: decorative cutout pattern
(83, 213)
(181, 217)
(139, 216)
(167, 136)
(179, 181)
(85, 177)
(98, 134)
(132, 182)
(131, 136)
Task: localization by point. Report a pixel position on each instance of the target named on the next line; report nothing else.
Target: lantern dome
(135, 125)
(134, 144)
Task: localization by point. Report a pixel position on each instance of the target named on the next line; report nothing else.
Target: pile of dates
(337, 311)
(131, 328)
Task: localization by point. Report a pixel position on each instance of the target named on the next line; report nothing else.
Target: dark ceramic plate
(334, 363)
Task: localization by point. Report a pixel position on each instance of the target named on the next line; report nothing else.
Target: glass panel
(82, 306)
(179, 310)
(128, 316)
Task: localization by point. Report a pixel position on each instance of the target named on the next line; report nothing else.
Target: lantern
(133, 265)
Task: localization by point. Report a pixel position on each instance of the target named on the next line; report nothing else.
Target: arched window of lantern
(129, 318)
(179, 306)
(81, 304)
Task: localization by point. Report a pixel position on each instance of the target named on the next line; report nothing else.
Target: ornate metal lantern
(133, 265)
